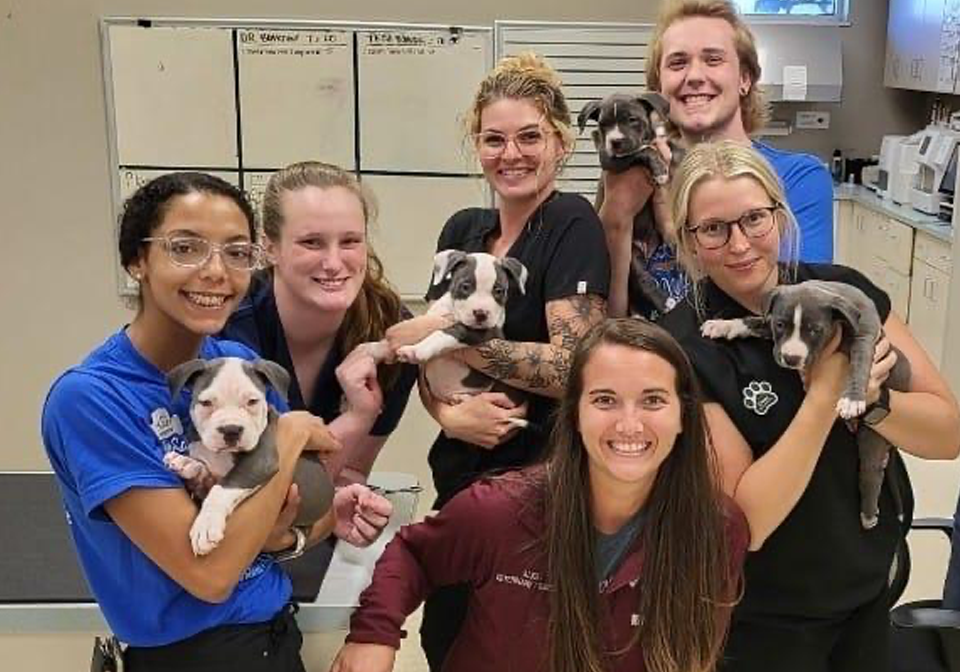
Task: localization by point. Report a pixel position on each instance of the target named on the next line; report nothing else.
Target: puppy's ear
(589, 111)
(654, 102)
(444, 262)
(769, 301)
(274, 375)
(184, 374)
(845, 308)
(517, 272)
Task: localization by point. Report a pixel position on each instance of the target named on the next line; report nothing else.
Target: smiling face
(702, 78)
(517, 175)
(197, 301)
(745, 268)
(629, 418)
(320, 258)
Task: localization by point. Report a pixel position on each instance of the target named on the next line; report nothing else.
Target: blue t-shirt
(809, 190)
(106, 426)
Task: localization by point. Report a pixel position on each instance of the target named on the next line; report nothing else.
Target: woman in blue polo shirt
(189, 241)
(325, 294)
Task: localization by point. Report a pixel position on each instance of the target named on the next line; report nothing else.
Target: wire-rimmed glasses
(530, 142)
(195, 252)
(713, 234)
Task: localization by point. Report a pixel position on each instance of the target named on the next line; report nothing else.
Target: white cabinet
(921, 45)
(929, 286)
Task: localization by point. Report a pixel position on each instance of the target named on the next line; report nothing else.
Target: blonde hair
(727, 160)
(754, 110)
(378, 305)
(525, 76)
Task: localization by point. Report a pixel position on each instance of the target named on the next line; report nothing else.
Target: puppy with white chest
(234, 443)
(627, 128)
(478, 286)
(801, 319)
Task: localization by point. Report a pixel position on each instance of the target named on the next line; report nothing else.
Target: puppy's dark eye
(251, 403)
(206, 403)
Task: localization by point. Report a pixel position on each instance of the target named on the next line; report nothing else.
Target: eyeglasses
(195, 252)
(715, 233)
(529, 142)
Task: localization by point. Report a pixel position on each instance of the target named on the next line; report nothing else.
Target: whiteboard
(413, 210)
(173, 95)
(414, 88)
(296, 97)
(243, 98)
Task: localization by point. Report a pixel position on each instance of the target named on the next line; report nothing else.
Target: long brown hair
(754, 110)
(377, 305)
(683, 536)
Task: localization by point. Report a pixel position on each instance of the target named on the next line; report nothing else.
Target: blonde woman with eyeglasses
(816, 596)
(519, 129)
(189, 241)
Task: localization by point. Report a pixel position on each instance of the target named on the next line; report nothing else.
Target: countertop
(903, 213)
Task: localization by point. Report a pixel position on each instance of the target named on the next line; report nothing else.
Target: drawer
(894, 283)
(934, 252)
(892, 242)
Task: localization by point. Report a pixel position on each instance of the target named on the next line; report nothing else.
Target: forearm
(922, 424)
(618, 234)
(247, 530)
(772, 485)
(540, 368)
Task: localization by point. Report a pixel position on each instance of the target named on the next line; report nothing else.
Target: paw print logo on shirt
(759, 397)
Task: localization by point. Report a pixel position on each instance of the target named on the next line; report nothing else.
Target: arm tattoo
(540, 367)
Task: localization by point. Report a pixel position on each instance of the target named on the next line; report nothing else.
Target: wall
(58, 255)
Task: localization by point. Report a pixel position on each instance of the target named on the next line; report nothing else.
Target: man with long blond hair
(703, 60)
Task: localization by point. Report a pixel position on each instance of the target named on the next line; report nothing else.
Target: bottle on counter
(836, 166)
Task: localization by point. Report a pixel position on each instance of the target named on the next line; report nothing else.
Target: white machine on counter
(936, 158)
(898, 167)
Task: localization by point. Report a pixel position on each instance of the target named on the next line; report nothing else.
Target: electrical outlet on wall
(813, 119)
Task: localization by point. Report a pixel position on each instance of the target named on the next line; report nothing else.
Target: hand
(884, 359)
(624, 195)
(414, 330)
(360, 514)
(357, 375)
(483, 420)
(828, 375)
(299, 430)
(355, 657)
(281, 536)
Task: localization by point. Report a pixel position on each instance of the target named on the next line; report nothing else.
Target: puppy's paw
(868, 522)
(662, 180)
(408, 354)
(850, 408)
(207, 531)
(183, 466)
(728, 329)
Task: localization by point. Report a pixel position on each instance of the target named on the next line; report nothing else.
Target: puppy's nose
(792, 361)
(231, 433)
(616, 144)
(480, 316)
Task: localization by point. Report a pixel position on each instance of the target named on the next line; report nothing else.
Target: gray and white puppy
(478, 286)
(800, 318)
(234, 442)
(627, 126)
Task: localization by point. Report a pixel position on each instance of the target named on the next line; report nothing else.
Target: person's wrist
(296, 548)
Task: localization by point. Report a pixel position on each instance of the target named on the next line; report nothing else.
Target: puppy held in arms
(801, 319)
(478, 286)
(234, 443)
(627, 128)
